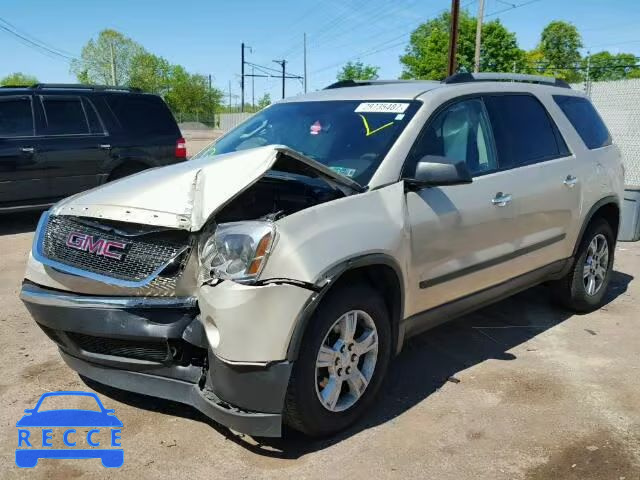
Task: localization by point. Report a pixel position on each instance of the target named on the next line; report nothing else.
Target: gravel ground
(533, 393)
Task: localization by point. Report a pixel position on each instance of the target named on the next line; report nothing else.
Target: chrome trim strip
(38, 255)
(41, 296)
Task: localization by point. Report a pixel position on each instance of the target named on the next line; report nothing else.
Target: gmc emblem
(97, 246)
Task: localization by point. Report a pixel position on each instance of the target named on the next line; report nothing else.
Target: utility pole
(305, 61)
(253, 88)
(113, 66)
(283, 64)
(242, 78)
(453, 36)
(242, 75)
(476, 67)
(587, 80)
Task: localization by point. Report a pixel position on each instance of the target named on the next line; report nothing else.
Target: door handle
(105, 146)
(502, 199)
(28, 150)
(570, 181)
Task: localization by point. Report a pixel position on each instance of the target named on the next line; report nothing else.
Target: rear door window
(64, 116)
(585, 119)
(523, 130)
(95, 125)
(143, 115)
(16, 117)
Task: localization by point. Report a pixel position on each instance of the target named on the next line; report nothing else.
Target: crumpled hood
(185, 195)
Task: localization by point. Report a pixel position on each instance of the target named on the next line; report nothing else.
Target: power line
(512, 7)
(370, 21)
(387, 44)
(611, 44)
(396, 41)
(33, 42)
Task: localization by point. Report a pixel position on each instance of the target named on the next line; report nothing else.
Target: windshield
(350, 137)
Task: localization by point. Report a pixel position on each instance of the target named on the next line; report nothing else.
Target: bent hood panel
(185, 195)
(176, 196)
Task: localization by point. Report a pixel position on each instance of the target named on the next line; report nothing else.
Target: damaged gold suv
(271, 278)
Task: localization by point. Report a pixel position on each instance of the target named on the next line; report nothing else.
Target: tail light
(181, 148)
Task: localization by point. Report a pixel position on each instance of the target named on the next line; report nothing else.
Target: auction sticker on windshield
(381, 107)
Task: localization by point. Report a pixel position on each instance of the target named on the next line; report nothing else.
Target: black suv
(58, 139)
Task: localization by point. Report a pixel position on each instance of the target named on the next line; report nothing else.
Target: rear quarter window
(143, 115)
(585, 119)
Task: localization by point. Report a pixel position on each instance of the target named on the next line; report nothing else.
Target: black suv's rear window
(64, 116)
(143, 115)
(585, 120)
(16, 117)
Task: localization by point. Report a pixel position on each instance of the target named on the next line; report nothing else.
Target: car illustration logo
(96, 245)
(36, 432)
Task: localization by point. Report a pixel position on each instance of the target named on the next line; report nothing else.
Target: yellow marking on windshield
(370, 132)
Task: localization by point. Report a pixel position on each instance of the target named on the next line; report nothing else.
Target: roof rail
(464, 77)
(81, 86)
(362, 83)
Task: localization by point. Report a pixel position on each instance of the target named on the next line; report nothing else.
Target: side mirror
(433, 171)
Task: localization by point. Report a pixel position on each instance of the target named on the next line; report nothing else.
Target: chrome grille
(145, 253)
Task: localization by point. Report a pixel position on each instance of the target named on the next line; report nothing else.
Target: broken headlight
(235, 251)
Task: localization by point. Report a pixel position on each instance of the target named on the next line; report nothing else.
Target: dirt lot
(537, 394)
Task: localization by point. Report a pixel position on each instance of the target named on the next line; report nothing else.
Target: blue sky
(205, 36)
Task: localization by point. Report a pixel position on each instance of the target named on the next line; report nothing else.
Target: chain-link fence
(619, 105)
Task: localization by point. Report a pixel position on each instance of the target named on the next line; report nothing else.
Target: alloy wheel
(596, 265)
(346, 360)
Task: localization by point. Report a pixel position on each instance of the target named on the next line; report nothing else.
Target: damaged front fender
(248, 323)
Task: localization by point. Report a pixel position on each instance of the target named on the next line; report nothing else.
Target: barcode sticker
(381, 107)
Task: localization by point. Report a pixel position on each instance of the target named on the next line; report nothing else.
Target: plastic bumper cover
(248, 399)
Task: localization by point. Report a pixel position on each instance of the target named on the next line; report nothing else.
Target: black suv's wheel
(584, 287)
(125, 171)
(343, 359)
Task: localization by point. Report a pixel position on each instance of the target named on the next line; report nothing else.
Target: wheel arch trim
(611, 199)
(329, 278)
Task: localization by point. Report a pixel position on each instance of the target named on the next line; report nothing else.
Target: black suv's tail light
(181, 148)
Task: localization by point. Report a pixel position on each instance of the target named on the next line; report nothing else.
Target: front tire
(343, 359)
(584, 288)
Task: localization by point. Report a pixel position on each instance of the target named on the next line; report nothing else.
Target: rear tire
(333, 360)
(584, 288)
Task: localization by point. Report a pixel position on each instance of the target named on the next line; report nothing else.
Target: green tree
(358, 71)
(607, 66)
(635, 73)
(264, 101)
(18, 79)
(189, 94)
(150, 73)
(107, 59)
(560, 44)
(426, 54)
(499, 51)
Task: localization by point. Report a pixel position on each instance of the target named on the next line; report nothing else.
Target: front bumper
(157, 347)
